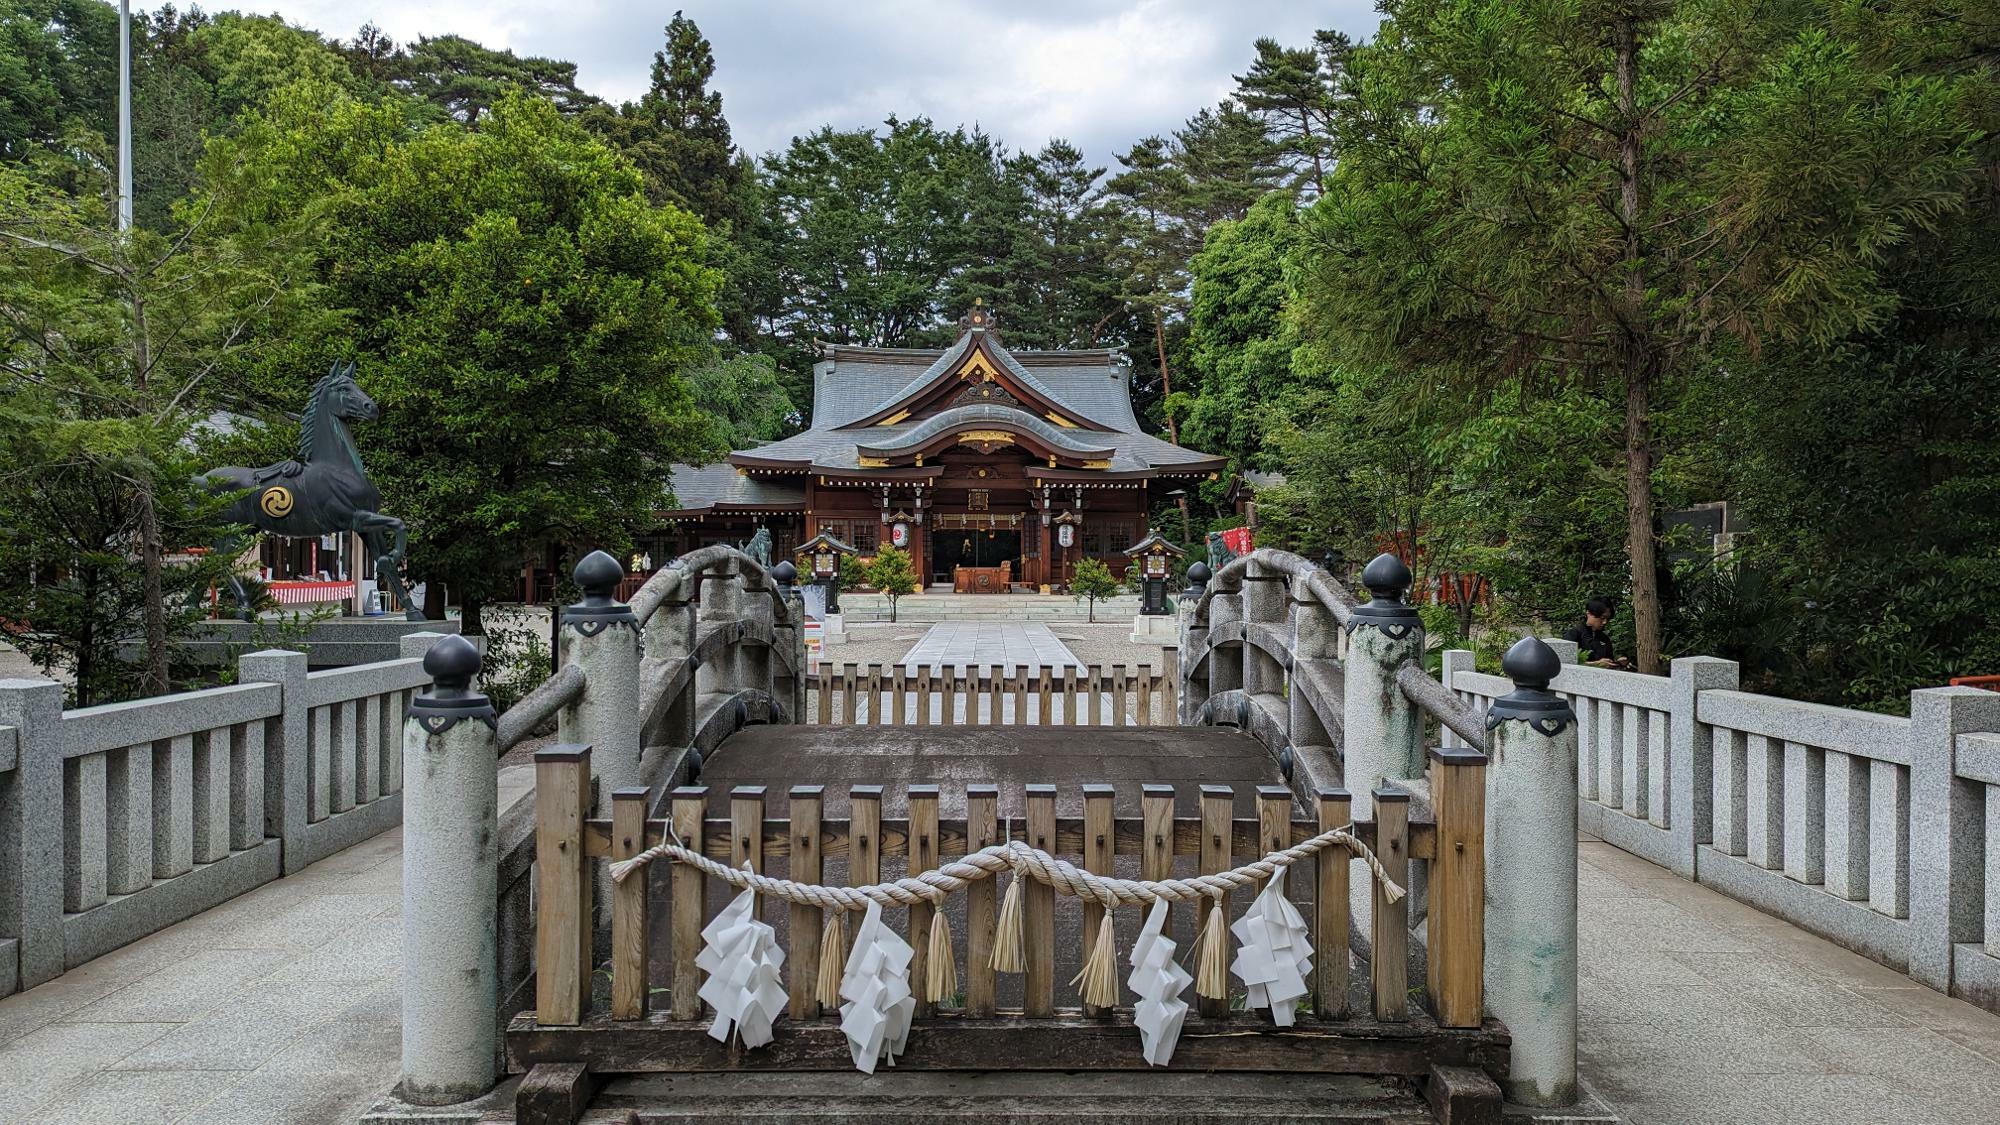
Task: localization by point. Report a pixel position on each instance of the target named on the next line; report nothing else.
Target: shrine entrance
(974, 548)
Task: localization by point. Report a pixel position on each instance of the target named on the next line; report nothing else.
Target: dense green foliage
(1501, 287)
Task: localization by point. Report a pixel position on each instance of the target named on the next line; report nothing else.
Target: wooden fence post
(1458, 888)
(690, 902)
(1218, 810)
(563, 922)
(630, 936)
(1100, 845)
(1038, 910)
(982, 830)
(806, 865)
(923, 853)
(1389, 942)
(1330, 906)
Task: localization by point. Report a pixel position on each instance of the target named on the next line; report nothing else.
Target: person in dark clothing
(1593, 645)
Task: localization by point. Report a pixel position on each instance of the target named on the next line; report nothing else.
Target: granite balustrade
(119, 820)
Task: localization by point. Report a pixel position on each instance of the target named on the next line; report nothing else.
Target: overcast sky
(1099, 73)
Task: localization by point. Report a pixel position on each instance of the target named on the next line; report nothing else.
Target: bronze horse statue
(322, 490)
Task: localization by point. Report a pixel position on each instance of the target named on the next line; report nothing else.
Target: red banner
(1237, 539)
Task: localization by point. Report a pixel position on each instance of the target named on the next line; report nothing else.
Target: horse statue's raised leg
(379, 530)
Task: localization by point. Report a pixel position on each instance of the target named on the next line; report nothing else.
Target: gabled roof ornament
(979, 318)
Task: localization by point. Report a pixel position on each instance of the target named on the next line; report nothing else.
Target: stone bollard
(1531, 898)
(451, 855)
(1382, 731)
(601, 637)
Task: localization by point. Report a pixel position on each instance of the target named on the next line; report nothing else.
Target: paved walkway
(990, 644)
(1697, 1009)
(280, 1008)
(277, 1008)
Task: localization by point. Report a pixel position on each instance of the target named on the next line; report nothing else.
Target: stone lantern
(821, 558)
(1155, 558)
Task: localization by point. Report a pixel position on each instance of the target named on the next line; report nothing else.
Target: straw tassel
(1098, 982)
(941, 975)
(832, 959)
(1212, 955)
(1007, 941)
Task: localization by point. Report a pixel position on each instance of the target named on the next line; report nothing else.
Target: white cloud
(1100, 73)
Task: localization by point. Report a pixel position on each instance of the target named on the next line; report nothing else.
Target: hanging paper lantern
(876, 986)
(1158, 981)
(1273, 953)
(742, 960)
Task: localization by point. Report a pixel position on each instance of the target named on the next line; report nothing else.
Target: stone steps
(1155, 1097)
(927, 609)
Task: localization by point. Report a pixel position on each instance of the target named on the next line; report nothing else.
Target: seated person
(1593, 645)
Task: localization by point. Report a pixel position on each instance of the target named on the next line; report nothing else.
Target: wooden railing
(652, 1020)
(892, 695)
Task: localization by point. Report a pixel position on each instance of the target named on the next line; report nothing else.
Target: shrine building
(994, 468)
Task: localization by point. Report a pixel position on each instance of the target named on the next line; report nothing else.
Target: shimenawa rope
(1098, 978)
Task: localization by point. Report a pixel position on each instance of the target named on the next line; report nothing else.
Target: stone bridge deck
(281, 1006)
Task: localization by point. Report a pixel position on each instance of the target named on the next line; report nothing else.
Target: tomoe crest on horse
(320, 491)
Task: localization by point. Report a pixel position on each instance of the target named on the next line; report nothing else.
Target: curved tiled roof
(852, 383)
(962, 417)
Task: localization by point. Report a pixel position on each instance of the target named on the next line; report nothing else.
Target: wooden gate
(630, 1004)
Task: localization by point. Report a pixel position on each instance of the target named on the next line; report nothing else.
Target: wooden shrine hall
(995, 469)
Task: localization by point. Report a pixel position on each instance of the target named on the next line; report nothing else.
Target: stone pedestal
(1157, 629)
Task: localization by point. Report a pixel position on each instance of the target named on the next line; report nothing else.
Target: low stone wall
(120, 820)
(1879, 832)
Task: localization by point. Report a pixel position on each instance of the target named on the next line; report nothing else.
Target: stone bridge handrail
(683, 570)
(539, 705)
(128, 817)
(1438, 702)
(1321, 585)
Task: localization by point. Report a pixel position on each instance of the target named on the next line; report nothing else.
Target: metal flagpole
(124, 115)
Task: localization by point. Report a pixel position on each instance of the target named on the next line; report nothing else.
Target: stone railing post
(1947, 880)
(1451, 663)
(1265, 602)
(1315, 640)
(451, 874)
(721, 604)
(668, 639)
(287, 757)
(789, 637)
(1382, 731)
(1691, 757)
(1531, 895)
(1225, 610)
(1193, 688)
(753, 661)
(1566, 651)
(601, 637)
(31, 834)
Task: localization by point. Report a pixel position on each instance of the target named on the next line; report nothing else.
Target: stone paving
(990, 644)
(280, 1008)
(1697, 1009)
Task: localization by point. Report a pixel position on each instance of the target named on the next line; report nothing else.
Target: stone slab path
(281, 1008)
(990, 644)
(1699, 1010)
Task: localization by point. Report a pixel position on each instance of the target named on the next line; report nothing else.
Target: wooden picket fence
(892, 695)
(650, 1018)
